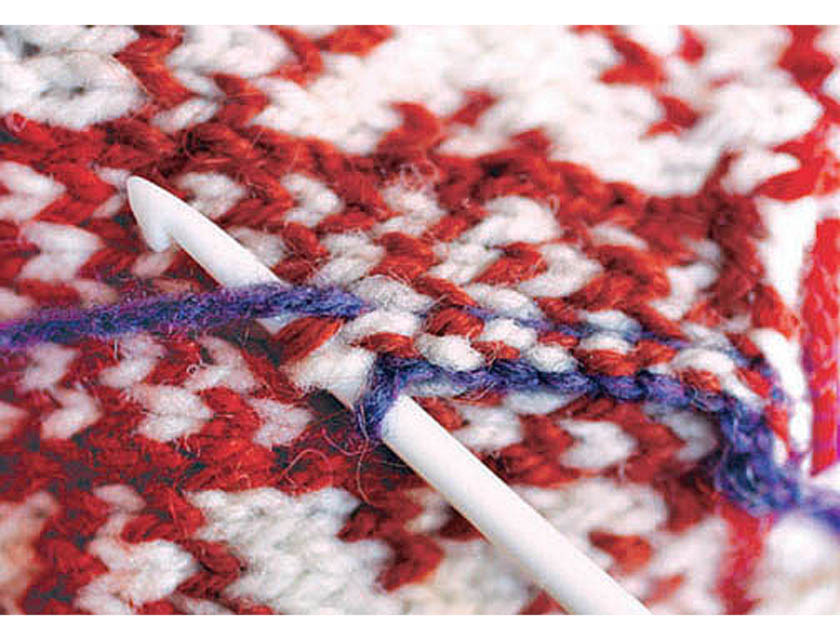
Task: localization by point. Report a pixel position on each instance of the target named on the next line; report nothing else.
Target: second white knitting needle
(506, 520)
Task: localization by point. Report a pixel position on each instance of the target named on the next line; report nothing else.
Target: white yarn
(449, 352)
(800, 569)
(78, 410)
(10, 416)
(790, 231)
(598, 444)
(315, 201)
(512, 219)
(187, 114)
(268, 247)
(48, 365)
(172, 412)
(543, 77)
(137, 573)
(294, 560)
(281, 423)
(64, 249)
(696, 431)
(245, 51)
(488, 429)
(30, 191)
(213, 193)
(70, 88)
(568, 271)
(20, 525)
(460, 263)
(13, 305)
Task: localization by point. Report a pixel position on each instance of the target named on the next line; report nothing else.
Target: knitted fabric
(604, 258)
(746, 470)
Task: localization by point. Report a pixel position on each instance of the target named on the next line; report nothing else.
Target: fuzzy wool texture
(604, 258)
(745, 467)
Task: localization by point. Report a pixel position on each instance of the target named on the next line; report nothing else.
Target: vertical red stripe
(820, 315)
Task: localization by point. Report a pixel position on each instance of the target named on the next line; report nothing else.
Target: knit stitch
(604, 258)
(744, 468)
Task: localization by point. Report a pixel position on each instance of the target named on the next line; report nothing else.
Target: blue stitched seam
(743, 467)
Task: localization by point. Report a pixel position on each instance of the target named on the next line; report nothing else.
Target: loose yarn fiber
(746, 470)
(604, 258)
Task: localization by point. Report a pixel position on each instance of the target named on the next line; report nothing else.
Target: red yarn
(821, 311)
(223, 456)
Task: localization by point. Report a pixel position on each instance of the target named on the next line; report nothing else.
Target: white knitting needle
(572, 579)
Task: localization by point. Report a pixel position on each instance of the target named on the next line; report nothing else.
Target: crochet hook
(505, 519)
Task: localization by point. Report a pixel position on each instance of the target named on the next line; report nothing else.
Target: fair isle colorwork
(604, 258)
(745, 469)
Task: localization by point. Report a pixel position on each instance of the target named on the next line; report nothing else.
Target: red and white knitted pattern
(668, 179)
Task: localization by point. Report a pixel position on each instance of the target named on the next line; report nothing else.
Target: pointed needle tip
(149, 203)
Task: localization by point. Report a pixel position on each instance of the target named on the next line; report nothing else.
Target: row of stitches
(746, 470)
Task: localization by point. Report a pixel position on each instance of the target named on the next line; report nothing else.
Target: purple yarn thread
(743, 466)
(167, 314)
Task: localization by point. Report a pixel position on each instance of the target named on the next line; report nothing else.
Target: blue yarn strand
(743, 467)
